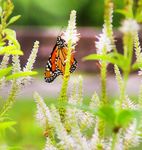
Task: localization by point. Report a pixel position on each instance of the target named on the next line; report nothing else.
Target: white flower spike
(103, 43)
(129, 26)
(32, 57)
(71, 32)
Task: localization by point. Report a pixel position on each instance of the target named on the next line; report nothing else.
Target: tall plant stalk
(103, 82)
(71, 37)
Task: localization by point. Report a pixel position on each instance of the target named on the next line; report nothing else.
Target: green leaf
(127, 14)
(124, 117)
(7, 48)
(122, 12)
(13, 19)
(108, 114)
(11, 50)
(114, 58)
(139, 17)
(14, 52)
(21, 74)
(0, 10)
(9, 32)
(2, 44)
(14, 41)
(116, 55)
(106, 58)
(5, 71)
(100, 57)
(136, 66)
(5, 125)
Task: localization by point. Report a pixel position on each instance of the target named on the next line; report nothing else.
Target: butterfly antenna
(61, 31)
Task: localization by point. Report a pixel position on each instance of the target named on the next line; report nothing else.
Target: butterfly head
(60, 42)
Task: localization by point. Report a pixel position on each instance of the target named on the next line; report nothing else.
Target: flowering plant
(102, 124)
(12, 74)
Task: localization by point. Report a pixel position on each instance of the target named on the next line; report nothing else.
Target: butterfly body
(57, 61)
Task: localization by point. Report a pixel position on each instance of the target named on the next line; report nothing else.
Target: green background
(56, 12)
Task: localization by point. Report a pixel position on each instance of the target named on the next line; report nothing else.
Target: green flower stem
(137, 49)
(123, 88)
(128, 41)
(100, 146)
(128, 54)
(101, 128)
(108, 21)
(130, 48)
(129, 8)
(103, 81)
(11, 99)
(63, 94)
(114, 141)
(139, 7)
(107, 17)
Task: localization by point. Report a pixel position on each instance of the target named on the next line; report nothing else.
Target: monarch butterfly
(57, 60)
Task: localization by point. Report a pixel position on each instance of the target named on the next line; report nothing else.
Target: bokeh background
(43, 21)
(56, 12)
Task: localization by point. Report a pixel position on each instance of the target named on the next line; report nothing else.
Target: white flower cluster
(73, 141)
(49, 145)
(4, 61)
(71, 32)
(16, 83)
(16, 66)
(4, 64)
(29, 66)
(129, 104)
(76, 118)
(132, 136)
(84, 119)
(32, 57)
(138, 52)
(129, 26)
(43, 113)
(103, 45)
(70, 133)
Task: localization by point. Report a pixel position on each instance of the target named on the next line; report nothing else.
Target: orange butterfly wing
(51, 71)
(61, 62)
(56, 63)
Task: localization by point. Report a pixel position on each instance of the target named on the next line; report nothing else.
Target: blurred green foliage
(27, 135)
(55, 12)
